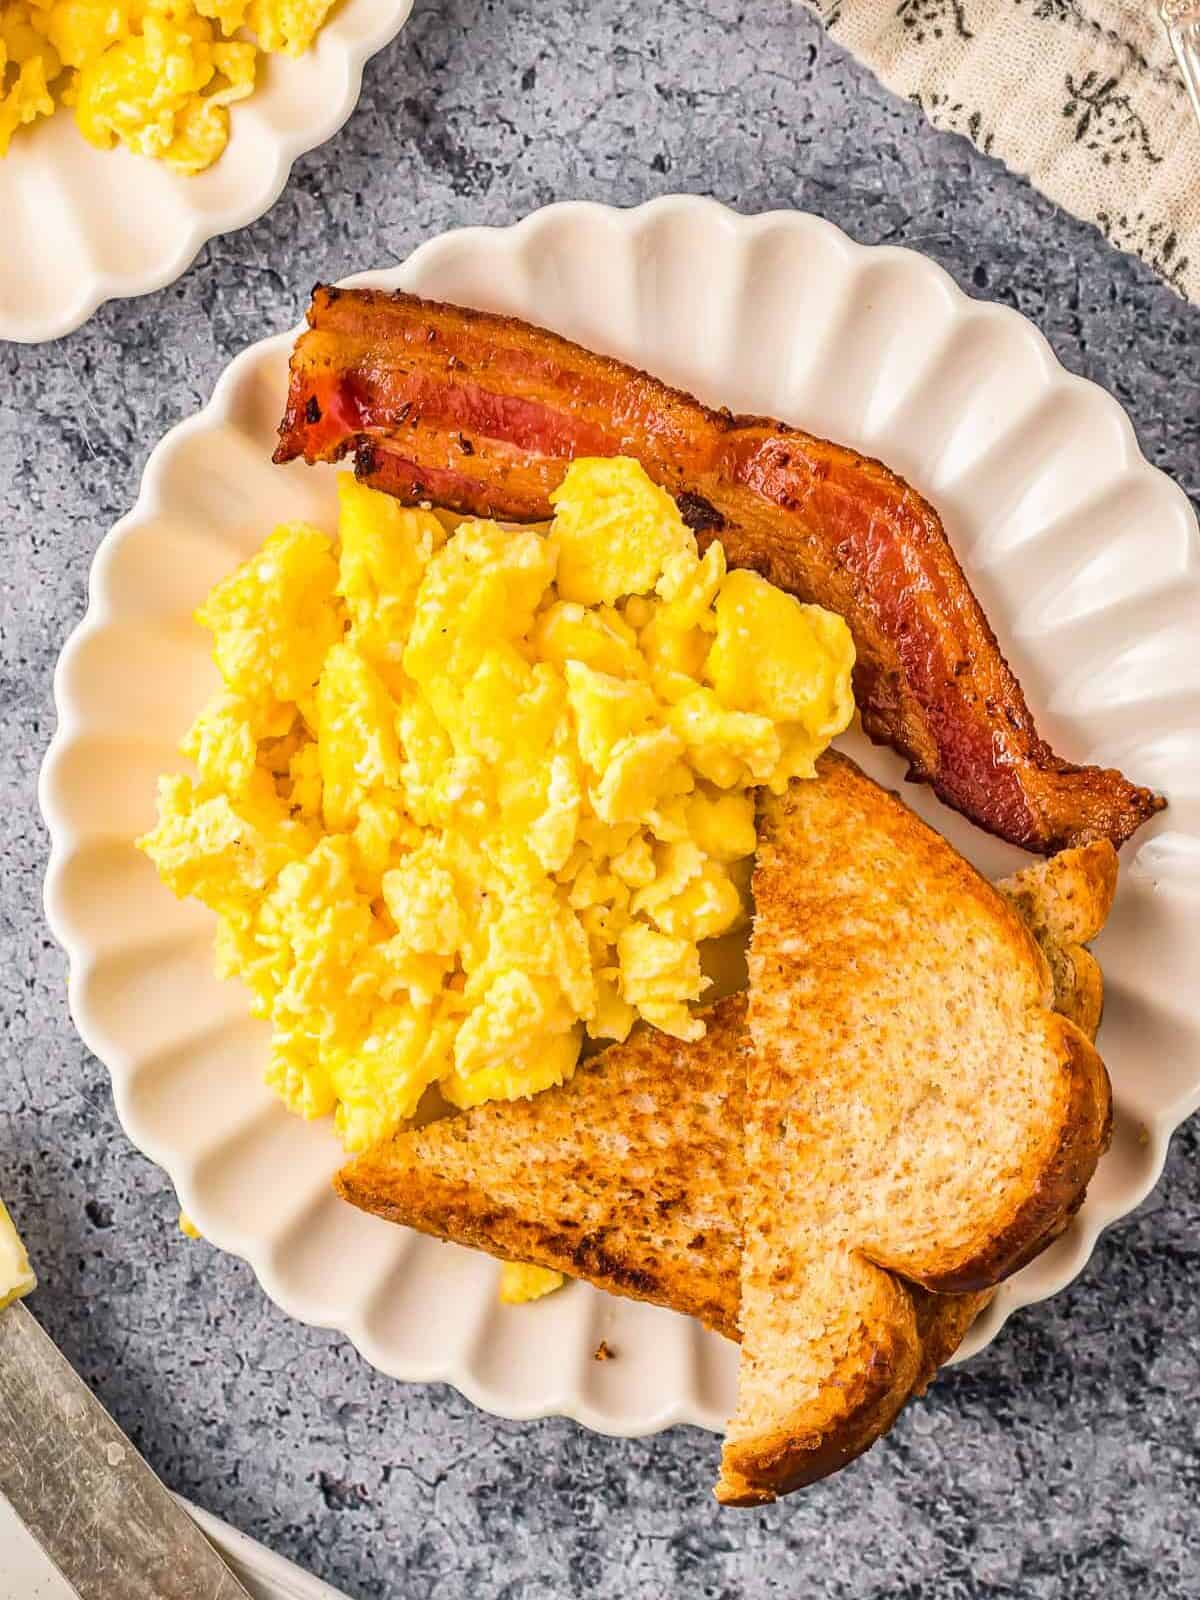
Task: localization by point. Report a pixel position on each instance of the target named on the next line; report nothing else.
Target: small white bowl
(1084, 556)
(82, 225)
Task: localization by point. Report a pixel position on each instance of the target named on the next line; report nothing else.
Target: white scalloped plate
(1084, 556)
(82, 225)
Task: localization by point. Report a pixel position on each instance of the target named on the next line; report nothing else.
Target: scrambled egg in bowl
(155, 75)
(468, 798)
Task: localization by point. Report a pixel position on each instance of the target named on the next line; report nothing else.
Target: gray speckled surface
(1065, 1461)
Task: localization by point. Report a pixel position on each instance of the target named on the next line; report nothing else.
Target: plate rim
(1167, 1116)
(96, 287)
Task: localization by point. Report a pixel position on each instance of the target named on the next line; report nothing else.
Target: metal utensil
(84, 1492)
(1182, 19)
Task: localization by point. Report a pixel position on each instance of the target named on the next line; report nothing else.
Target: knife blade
(83, 1491)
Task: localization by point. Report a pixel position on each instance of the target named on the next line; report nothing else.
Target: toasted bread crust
(404, 1181)
(1069, 897)
(1083, 1137)
(943, 1322)
(447, 1179)
(1065, 902)
(644, 1241)
(823, 967)
(453, 1211)
(860, 1403)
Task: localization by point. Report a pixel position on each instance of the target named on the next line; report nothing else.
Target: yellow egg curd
(465, 799)
(520, 1283)
(155, 75)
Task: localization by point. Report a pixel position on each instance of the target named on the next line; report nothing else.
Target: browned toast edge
(838, 1422)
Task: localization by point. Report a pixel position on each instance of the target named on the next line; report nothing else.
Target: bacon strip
(481, 414)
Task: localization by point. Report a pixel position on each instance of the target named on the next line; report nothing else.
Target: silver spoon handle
(1182, 18)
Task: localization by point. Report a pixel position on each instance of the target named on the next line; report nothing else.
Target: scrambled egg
(155, 75)
(520, 1282)
(466, 799)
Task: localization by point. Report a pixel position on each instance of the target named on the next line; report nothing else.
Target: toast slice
(616, 1178)
(916, 1112)
(1065, 902)
(627, 1175)
(621, 1178)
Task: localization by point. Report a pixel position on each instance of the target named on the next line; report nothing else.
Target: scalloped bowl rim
(100, 286)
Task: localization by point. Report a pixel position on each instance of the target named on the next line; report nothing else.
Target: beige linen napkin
(1082, 96)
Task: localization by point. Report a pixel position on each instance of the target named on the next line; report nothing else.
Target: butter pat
(16, 1275)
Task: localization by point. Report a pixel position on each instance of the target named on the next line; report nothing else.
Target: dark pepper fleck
(312, 411)
(700, 514)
